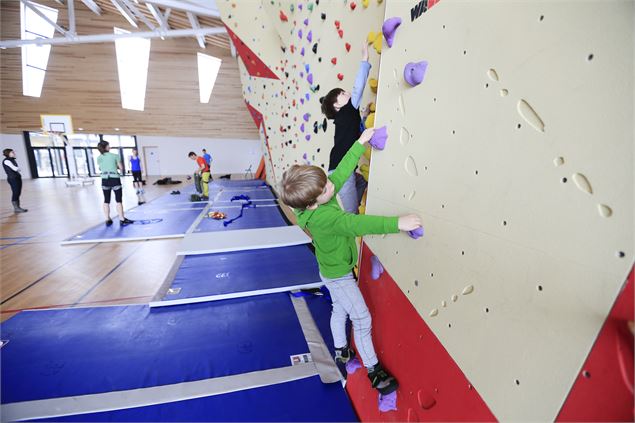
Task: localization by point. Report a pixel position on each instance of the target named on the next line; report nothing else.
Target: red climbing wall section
(254, 65)
(603, 390)
(432, 387)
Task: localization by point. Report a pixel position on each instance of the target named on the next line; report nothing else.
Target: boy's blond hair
(302, 185)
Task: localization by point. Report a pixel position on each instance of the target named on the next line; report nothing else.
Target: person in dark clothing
(343, 108)
(14, 178)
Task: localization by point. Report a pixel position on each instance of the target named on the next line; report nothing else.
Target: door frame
(145, 163)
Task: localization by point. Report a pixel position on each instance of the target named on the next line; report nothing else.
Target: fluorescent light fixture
(133, 56)
(34, 57)
(208, 67)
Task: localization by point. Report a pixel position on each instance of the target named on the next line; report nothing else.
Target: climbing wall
(516, 149)
(309, 47)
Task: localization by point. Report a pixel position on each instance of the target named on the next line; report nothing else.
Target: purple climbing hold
(300, 34)
(300, 6)
(307, 137)
(306, 117)
(307, 96)
(306, 21)
(302, 128)
(301, 74)
(302, 100)
(309, 36)
(302, 51)
(416, 233)
(388, 402)
(310, 78)
(304, 156)
(353, 365)
(376, 269)
(389, 28)
(413, 73)
(307, 67)
(378, 141)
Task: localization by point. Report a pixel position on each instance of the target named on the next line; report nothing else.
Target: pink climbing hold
(378, 141)
(389, 28)
(416, 233)
(388, 402)
(413, 73)
(353, 365)
(376, 268)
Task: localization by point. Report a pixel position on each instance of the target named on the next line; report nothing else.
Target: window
(133, 55)
(35, 58)
(208, 67)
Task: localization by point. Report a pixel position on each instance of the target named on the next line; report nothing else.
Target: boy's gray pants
(349, 302)
(348, 195)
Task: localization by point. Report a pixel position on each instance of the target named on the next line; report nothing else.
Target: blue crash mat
(258, 217)
(228, 183)
(260, 194)
(154, 223)
(66, 352)
(251, 271)
(304, 400)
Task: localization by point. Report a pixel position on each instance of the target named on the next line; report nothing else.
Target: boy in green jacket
(313, 196)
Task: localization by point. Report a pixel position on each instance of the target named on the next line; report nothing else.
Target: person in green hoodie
(312, 195)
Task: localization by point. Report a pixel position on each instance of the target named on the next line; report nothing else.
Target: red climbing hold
(348, 47)
(340, 76)
(337, 24)
(334, 60)
(283, 17)
(341, 33)
(353, 6)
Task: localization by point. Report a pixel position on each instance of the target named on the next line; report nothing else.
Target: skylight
(35, 58)
(133, 55)
(208, 67)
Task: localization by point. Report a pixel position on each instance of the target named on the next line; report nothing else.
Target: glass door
(43, 162)
(81, 161)
(58, 156)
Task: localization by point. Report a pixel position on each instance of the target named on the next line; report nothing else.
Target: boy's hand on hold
(365, 51)
(409, 222)
(366, 135)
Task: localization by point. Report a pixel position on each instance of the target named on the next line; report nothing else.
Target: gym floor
(37, 272)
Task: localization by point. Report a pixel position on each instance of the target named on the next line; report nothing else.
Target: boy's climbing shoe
(344, 355)
(126, 222)
(108, 222)
(140, 203)
(382, 380)
(204, 198)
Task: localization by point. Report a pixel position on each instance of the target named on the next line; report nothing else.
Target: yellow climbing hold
(372, 83)
(370, 121)
(364, 170)
(371, 37)
(365, 3)
(367, 152)
(371, 107)
(377, 44)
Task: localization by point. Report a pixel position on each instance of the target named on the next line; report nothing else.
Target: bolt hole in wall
(486, 309)
(564, 180)
(504, 223)
(620, 254)
(539, 287)
(586, 374)
(542, 17)
(486, 85)
(416, 283)
(590, 57)
(517, 382)
(518, 126)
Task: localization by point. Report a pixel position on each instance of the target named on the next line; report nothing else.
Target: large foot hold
(126, 222)
(381, 380)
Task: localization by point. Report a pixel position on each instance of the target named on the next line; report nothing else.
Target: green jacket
(334, 231)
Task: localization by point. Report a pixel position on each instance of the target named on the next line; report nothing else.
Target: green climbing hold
(310, 7)
(291, 8)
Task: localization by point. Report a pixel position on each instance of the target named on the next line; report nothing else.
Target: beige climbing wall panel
(517, 151)
(292, 139)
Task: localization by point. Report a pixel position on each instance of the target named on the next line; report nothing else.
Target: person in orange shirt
(203, 171)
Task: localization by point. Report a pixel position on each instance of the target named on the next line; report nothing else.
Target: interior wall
(16, 143)
(82, 81)
(517, 151)
(229, 155)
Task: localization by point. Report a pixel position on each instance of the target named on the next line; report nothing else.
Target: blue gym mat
(257, 217)
(259, 194)
(304, 400)
(248, 272)
(227, 183)
(67, 352)
(153, 223)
